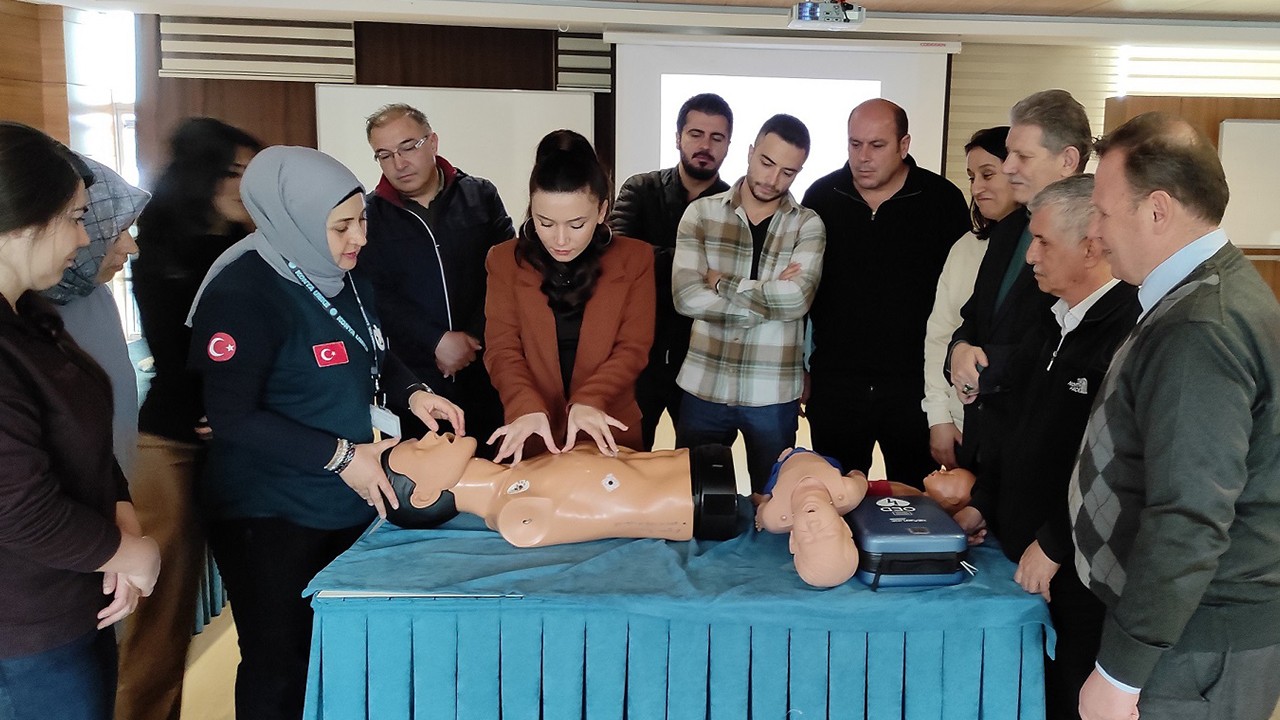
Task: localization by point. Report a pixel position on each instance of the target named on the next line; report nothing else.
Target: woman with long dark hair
(991, 201)
(194, 215)
(569, 312)
(72, 557)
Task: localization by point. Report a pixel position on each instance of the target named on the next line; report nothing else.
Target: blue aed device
(907, 542)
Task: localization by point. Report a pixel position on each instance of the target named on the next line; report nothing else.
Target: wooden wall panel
(455, 57)
(277, 113)
(33, 69)
(1207, 114)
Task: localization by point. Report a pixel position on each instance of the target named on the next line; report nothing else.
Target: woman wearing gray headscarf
(88, 309)
(295, 370)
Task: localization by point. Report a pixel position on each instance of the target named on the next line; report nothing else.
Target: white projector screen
(488, 133)
(820, 86)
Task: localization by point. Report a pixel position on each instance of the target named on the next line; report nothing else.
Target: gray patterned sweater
(1176, 496)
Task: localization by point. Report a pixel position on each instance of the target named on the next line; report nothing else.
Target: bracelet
(421, 386)
(342, 457)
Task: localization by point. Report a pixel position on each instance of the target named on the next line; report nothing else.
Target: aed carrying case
(907, 542)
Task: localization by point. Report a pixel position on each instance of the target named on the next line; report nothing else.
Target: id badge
(384, 421)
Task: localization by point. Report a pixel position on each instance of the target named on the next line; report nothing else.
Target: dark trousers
(847, 417)
(76, 681)
(766, 431)
(1077, 617)
(1230, 685)
(266, 563)
(657, 391)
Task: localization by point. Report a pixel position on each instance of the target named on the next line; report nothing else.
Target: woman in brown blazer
(568, 313)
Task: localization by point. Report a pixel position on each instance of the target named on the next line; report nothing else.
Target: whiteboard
(488, 133)
(1250, 152)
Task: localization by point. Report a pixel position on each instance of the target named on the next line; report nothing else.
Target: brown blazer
(522, 352)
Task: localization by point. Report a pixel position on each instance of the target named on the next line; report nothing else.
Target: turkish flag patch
(334, 353)
(222, 347)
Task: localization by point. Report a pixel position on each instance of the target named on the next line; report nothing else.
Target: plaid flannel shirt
(747, 343)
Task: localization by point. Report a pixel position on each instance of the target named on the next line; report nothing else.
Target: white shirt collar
(1070, 318)
(1177, 267)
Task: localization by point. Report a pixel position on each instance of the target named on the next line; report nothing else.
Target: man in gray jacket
(1176, 496)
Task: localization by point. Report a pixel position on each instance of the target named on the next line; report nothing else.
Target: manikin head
(422, 472)
(950, 488)
(809, 499)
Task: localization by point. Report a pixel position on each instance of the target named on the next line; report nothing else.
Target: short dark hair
(787, 127)
(707, 103)
(1062, 121)
(36, 179)
(993, 141)
(1165, 152)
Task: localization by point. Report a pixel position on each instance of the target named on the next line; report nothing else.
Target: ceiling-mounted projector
(826, 16)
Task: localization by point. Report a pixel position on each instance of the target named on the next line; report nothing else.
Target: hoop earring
(609, 237)
(527, 229)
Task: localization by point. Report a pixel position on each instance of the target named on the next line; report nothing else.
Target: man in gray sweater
(1176, 496)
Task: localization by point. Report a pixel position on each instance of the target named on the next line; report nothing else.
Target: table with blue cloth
(456, 623)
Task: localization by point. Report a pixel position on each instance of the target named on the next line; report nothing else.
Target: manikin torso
(574, 496)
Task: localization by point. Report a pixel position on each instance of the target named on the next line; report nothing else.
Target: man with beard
(746, 265)
(649, 208)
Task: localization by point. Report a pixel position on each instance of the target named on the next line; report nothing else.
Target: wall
(386, 54)
(33, 71)
(986, 81)
(1207, 114)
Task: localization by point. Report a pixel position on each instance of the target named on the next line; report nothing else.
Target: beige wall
(986, 80)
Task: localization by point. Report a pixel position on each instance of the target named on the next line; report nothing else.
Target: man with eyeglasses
(430, 227)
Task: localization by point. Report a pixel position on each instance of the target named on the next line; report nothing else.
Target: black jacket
(1024, 498)
(649, 208)
(880, 273)
(1000, 333)
(59, 482)
(429, 282)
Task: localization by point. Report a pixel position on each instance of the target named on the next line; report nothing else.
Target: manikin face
(949, 487)
(772, 165)
(1117, 220)
(703, 144)
(408, 165)
(876, 155)
(345, 228)
(117, 255)
(227, 202)
(566, 222)
(1030, 166)
(989, 188)
(37, 256)
(434, 462)
(1057, 258)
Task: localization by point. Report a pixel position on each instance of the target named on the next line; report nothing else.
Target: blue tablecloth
(455, 623)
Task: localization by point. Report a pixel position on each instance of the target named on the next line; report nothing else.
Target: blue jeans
(74, 682)
(766, 430)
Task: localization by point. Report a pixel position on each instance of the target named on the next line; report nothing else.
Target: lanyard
(374, 334)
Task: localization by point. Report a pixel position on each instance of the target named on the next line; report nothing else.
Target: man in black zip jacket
(890, 225)
(430, 227)
(649, 208)
(1023, 500)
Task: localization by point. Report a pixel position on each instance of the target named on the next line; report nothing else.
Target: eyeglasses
(407, 147)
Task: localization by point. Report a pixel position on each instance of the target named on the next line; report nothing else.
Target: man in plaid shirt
(747, 263)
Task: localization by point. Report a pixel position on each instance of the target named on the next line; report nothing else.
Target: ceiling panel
(1256, 10)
